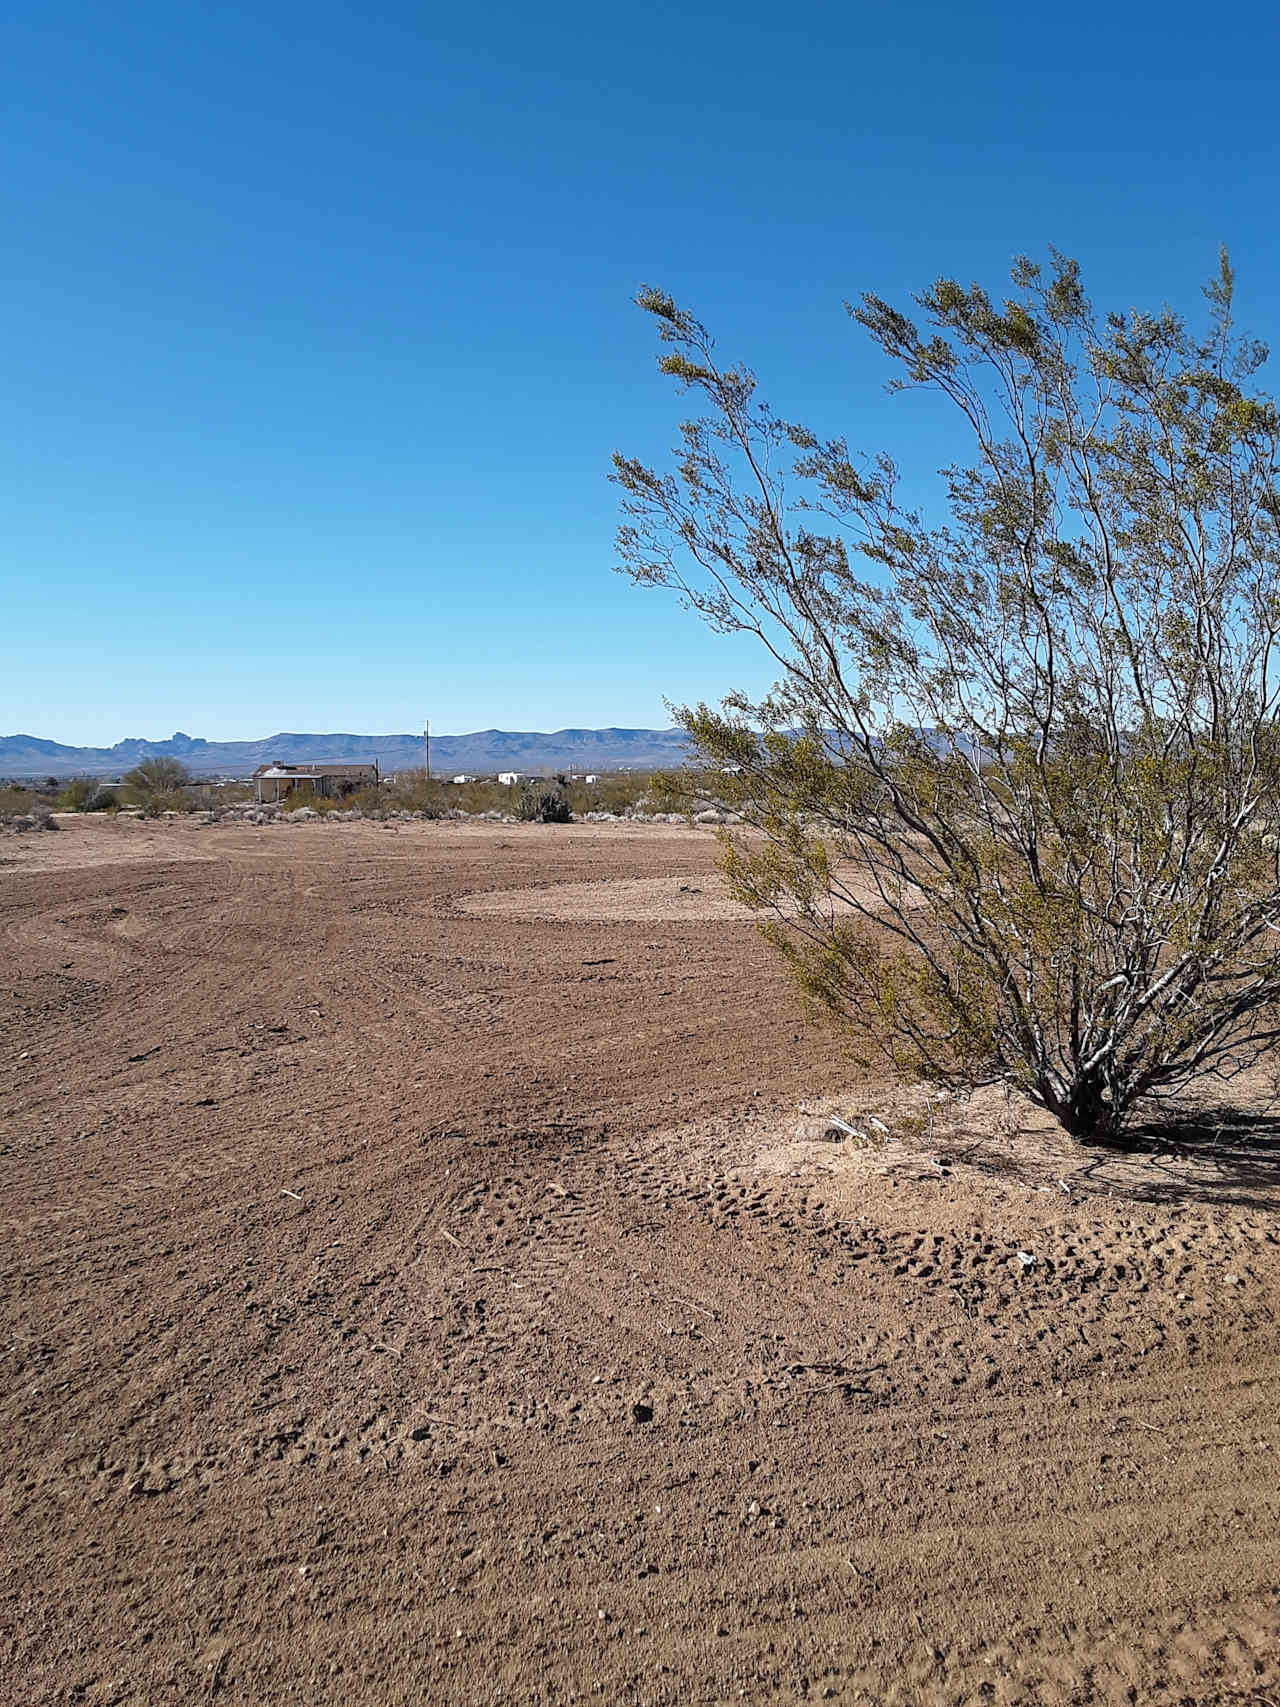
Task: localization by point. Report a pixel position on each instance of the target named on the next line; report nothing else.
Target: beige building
(278, 782)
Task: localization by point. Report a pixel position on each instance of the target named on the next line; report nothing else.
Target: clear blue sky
(317, 333)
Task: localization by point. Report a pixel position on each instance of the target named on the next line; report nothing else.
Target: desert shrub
(413, 791)
(296, 798)
(103, 799)
(1032, 753)
(425, 801)
(174, 800)
(40, 817)
(210, 796)
(478, 796)
(542, 803)
(75, 795)
(672, 791)
(157, 786)
(161, 775)
(368, 801)
(618, 791)
(691, 790)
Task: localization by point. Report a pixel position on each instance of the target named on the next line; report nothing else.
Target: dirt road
(426, 1279)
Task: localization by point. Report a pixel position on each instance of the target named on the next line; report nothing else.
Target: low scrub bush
(161, 801)
(619, 793)
(209, 796)
(543, 803)
(75, 795)
(370, 802)
(40, 817)
(414, 791)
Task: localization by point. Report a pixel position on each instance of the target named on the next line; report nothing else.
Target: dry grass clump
(40, 817)
(17, 797)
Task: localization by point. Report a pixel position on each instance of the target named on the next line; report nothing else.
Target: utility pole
(426, 747)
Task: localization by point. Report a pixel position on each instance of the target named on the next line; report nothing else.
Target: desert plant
(619, 792)
(672, 791)
(103, 799)
(76, 794)
(38, 818)
(542, 803)
(414, 791)
(367, 802)
(161, 776)
(1019, 782)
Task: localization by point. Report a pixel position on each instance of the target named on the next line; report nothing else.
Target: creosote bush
(161, 775)
(16, 797)
(542, 803)
(1019, 781)
(157, 802)
(75, 795)
(38, 817)
(618, 792)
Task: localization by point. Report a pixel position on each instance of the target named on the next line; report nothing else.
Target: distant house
(277, 782)
(465, 778)
(592, 778)
(510, 778)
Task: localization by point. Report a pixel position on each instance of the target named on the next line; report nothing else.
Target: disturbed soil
(431, 1273)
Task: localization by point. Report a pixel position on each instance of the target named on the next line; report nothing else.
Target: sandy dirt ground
(428, 1277)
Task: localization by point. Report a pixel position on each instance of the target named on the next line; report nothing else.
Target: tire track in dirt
(428, 1273)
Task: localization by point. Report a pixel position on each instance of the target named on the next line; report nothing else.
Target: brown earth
(407, 1301)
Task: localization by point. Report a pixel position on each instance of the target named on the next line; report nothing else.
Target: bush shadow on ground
(1218, 1156)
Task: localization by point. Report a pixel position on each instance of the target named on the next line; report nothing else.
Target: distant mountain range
(488, 750)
